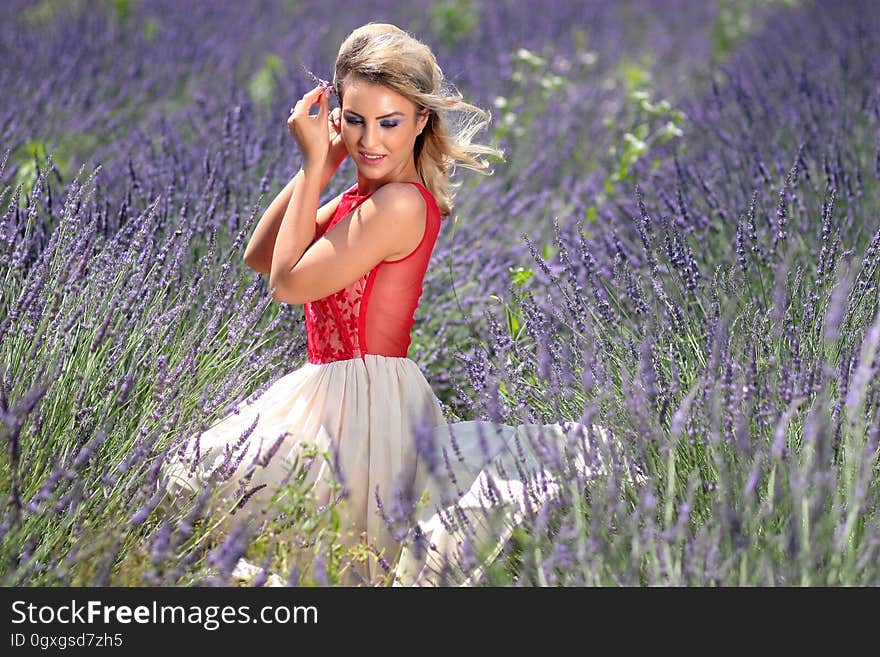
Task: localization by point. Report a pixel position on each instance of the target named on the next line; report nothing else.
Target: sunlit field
(681, 245)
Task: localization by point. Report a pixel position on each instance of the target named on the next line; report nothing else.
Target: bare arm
(297, 230)
(258, 254)
(391, 221)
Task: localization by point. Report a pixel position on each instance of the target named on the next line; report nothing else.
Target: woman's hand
(308, 130)
(337, 152)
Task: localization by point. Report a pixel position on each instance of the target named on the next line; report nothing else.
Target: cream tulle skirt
(475, 480)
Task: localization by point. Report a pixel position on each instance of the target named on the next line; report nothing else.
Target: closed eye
(384, 124)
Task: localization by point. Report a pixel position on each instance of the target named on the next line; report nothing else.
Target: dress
(359, 396)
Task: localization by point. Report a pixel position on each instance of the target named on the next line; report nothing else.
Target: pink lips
(370, 161)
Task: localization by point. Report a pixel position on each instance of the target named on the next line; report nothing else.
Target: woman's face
(379, 121)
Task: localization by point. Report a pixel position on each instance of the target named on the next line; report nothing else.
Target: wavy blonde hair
(384, 54)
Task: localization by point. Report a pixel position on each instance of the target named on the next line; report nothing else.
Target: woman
(357, 264)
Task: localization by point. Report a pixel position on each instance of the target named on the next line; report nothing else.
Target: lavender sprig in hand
(326, 84)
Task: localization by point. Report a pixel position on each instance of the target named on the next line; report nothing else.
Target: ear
(423, 117)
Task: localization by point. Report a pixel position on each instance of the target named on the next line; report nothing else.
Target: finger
(310, 100)
(307, 101)
(313, 96)
(297, 109)
(323, 106)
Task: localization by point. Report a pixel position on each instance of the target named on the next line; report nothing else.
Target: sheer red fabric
(374, 314)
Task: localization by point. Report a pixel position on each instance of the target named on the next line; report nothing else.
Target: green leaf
(634, 76)
(453, 20)
(520, 275)
(151, 28)
(262, 83)
(512, 321)
(27, 157)
(122, 8)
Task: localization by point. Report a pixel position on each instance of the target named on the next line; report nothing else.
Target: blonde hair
(384, 54)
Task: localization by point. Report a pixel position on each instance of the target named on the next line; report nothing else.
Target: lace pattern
(332, 324)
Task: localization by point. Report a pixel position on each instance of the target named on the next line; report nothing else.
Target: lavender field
(681, 245)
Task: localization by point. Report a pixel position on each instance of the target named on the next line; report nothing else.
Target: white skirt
(387, 430)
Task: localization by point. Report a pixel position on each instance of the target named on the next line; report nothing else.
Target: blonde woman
(357, 264)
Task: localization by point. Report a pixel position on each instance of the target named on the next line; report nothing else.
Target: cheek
(401, 140)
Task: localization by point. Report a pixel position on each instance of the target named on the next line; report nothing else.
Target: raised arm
(258, 253)
(391, 223)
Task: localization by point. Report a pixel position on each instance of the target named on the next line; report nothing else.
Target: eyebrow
(384, 116)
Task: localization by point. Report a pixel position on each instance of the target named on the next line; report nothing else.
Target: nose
(369, 137)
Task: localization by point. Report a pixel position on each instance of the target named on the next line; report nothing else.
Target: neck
(370, 185)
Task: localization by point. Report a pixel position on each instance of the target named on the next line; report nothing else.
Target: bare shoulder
(404, 209)
(401, 200)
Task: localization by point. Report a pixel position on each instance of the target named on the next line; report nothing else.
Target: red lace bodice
(374, 314)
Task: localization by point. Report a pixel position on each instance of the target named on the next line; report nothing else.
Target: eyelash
(359, 122)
